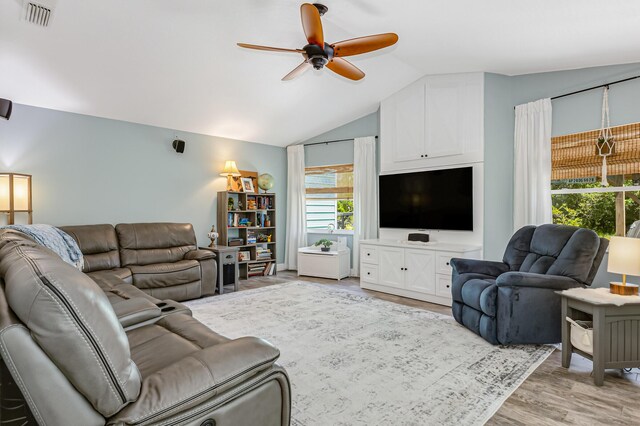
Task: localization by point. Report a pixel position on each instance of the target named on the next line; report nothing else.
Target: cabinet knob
(368, 273)
(448, 286)
(368, 254)
(447, 263)
(426, 155)
(422, 156)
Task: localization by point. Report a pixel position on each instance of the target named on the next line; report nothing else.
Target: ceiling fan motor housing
(318, 56)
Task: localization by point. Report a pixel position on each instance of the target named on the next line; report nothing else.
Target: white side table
(334, 264)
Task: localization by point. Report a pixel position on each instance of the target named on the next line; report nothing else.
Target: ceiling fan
(318, 54)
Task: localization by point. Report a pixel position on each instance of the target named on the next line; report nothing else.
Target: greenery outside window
(329, 197)
(579, 199)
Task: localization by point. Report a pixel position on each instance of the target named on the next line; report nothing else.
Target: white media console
(417, 270)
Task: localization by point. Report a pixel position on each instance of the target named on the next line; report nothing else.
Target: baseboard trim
(281, 267)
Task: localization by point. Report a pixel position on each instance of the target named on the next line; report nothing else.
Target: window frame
(335, 168)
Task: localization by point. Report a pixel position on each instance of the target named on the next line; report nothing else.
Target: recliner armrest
(527, 279)
(485, 267)
(197, 378)
(135, 310)
(199, 254)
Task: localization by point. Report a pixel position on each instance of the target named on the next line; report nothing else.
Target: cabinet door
(444, 115)
(409, 123)
(391, 266)
(420, 271)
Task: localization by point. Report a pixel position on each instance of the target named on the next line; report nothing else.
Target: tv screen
(437, 199)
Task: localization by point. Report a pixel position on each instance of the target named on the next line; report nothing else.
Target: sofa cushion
(63, 308)
(165, 274)
(120, 274)
(148, 243)
(174, 337)
(99, 246)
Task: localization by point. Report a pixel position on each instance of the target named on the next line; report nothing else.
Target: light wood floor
(552, 395)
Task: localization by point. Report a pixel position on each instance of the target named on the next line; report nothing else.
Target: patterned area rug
(357, 360)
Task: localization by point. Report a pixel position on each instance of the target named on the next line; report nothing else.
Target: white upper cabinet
(436, 121)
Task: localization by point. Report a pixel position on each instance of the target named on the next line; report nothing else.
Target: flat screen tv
(437, 199)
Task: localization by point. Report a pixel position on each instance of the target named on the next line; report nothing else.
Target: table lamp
(624, 258)
(15, 195)
(230, 170)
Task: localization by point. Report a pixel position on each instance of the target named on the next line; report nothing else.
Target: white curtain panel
(365, 195)
(532, 165)
(296, 235)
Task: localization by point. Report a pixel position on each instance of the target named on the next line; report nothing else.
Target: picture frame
(247, 184)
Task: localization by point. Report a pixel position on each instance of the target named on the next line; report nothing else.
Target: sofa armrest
(199, 254)
(135, 310)
(197, 378)
(527, 279)
(485, 267)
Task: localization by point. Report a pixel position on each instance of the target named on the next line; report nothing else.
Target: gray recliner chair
(515, 301)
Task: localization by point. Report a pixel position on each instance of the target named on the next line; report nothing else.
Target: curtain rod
(593, 88)
(328, 142)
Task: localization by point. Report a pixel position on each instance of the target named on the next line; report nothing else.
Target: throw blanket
(54, 239)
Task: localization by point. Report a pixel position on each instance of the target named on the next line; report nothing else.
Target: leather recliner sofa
(78, 362)
(161, 259)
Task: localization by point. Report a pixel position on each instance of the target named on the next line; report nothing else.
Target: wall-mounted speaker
(178, 145)
(5, 108)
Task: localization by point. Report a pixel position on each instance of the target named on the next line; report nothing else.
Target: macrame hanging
(605, 144)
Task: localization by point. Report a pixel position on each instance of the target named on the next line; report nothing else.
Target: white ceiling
(174, 63)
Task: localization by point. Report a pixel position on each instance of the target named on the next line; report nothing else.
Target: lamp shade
(15, 195)
(230, 169)
(624, 256)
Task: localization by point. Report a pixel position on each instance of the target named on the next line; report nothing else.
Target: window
(578, 197)
(329, 202)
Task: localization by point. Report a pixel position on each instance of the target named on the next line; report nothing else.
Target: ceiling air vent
(37, 13)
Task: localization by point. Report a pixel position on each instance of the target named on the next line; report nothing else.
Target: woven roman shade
(576, 156)
(340, 176)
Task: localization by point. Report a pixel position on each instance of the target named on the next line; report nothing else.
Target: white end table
(334, 264)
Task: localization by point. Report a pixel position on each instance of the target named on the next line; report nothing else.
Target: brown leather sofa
(79, 360)
(161, 259)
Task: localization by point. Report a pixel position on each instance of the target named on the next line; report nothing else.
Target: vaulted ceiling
(175, 63)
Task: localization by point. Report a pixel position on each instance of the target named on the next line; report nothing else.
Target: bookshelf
(249, 225)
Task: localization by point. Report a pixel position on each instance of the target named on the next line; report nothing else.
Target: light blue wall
(339, 153)
(498, 164)
(93, 170)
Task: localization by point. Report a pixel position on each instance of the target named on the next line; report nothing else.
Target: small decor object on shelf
(213, 236)
(247, 185)
(230, 204)
(267, 222)
(326, 244)
(240, 205)
(624, 258)
(265, 182)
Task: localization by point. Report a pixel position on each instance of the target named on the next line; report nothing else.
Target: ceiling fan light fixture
(318, 54)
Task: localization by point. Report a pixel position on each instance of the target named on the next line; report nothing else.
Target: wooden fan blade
(345, 68)
(311, 24)
(356, 46)
(272, 49)
(299, 70)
